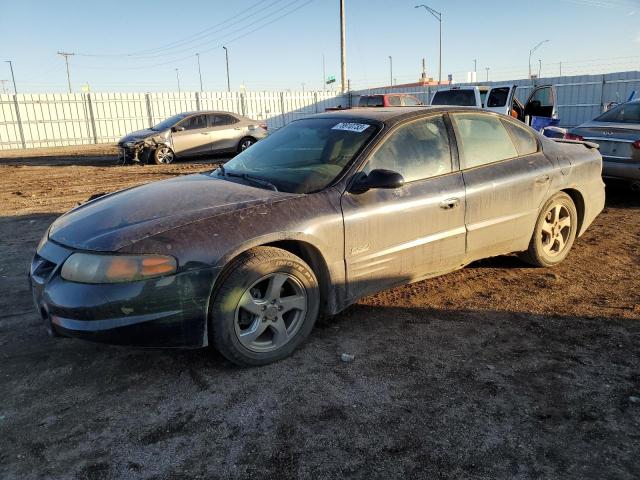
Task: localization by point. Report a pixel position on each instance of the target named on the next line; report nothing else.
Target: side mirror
(378, 178)
(177, 129)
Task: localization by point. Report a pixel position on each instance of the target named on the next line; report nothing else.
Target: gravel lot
(498, 371)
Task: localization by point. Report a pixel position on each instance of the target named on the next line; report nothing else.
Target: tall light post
(487, 69)
(324, 75)
(226, 56)
(13, 78)
(391, 70)
(343, 49)
(438, 16)
(531, 53)
(178, 78)
(539, 68)
(66, 56)
(199, 71)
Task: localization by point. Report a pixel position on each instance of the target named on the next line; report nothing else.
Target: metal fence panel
(46, 120)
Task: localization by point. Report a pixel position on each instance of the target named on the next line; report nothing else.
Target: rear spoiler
(590, 145)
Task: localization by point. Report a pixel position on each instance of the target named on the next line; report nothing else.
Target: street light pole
(531, 53)
(438, 16)
(199, 71)
(178, 79)
(226, 55)
(343, 49)
(66, 56)
(15, 90)
(539, 68)
(487, 69)
(324, 76)
(391, 70)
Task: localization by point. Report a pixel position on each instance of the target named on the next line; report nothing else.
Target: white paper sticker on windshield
(351, 127)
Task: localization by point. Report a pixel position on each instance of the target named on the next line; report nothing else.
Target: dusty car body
(617, 133)
(191, 133)
(327, 244)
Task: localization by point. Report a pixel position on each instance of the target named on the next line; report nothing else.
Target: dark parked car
(191, 133)
(320, 213)
(617, 132)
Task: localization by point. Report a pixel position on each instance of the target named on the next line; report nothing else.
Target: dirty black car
(191, 133)
(322, 212)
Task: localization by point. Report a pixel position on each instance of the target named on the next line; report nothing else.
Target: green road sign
(331, 79)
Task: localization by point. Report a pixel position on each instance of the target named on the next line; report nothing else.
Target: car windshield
(169, 122)
(625, 113)
(303, 157)
(463, 98)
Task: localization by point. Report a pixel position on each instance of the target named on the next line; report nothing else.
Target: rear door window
(482, 139)
(219, 120)
(417, 150)
(394, 101)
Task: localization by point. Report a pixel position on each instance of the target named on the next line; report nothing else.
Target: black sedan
(617, 132)
(320, 213)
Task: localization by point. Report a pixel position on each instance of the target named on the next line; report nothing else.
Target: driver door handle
(449, 203)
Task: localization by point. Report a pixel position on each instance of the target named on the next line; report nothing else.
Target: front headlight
(90, 268)
(130, 144)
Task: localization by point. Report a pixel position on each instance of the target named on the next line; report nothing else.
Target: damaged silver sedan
(319, 214)
(191, 133)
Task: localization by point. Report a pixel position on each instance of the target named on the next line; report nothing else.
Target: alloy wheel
(556, 229)
(270, 312)
(164, 155)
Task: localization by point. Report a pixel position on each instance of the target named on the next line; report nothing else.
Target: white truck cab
(502, 99)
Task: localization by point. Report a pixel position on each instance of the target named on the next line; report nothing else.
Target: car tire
(163, 155)
(554, 234)
(265, 305)
(245, 143)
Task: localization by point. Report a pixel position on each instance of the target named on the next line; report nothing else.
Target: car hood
(139, 135)
(116, 220)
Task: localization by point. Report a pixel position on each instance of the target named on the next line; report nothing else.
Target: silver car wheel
(556, 230)
(164, 155)
(270, 312)
(246, 144)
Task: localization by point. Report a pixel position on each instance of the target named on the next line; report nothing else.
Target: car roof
(389, 114)
(211, 111)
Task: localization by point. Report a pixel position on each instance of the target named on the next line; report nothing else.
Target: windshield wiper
(249, 178)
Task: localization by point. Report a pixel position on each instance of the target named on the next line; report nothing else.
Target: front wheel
(162, 155)
(266, 305)
(554, 233)
(245, 143)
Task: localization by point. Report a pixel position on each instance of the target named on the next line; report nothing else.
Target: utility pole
(343, 49)
(66, 56)
(199, 71)
(324, 76)
(226, 55)
(391, 70)
(15, 90)
(178, 79)
(531, 53)
(560, 68)
(487, 69)
(438, 16)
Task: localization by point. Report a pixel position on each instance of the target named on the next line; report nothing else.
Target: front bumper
(168, 311)
(623, 169)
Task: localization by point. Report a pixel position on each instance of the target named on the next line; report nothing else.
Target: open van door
(500, 99)
(541, 104)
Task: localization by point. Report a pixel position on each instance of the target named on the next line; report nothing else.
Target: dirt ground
(497, 371)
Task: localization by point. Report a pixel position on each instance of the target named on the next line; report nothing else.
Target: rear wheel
(162, 155)
(266, 305)
(554, 234)
(245, 143)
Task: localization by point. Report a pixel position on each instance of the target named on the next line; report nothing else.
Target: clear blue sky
(276, 44)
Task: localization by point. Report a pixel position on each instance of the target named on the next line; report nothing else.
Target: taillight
(636, 144)
(571, 136)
